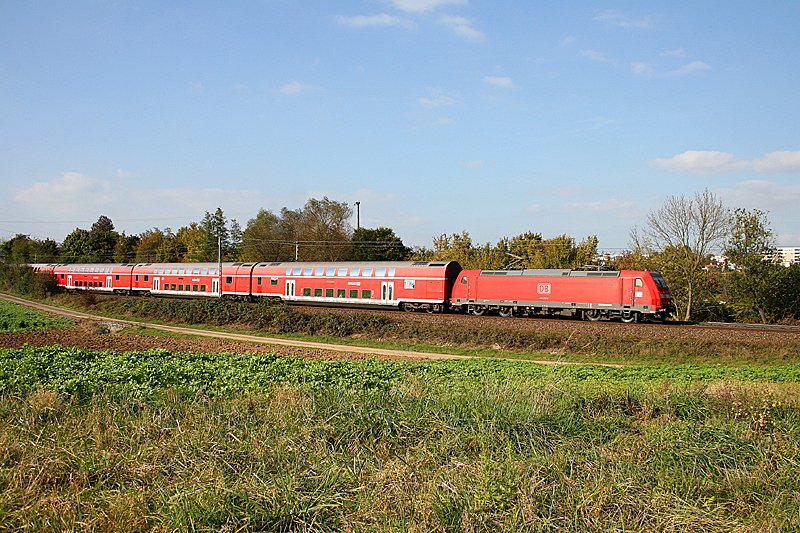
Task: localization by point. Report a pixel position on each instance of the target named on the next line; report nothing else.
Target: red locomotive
(629, 295)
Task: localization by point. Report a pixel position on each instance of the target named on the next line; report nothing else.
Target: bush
(22, 280)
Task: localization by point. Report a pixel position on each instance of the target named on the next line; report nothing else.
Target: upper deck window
(380, 272)
(330, 271)
(343, 271)
(319, 271)
(354, 272)
(367, 271)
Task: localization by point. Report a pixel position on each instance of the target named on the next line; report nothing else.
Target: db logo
(543, 288)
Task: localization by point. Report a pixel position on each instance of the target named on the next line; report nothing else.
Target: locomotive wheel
(592, 315)
(478, 311)
(630, 319)
(506, 311)
(408, 308)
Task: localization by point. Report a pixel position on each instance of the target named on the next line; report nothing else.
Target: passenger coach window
(342, 272)
(353, 293)
(366, 294)
(273, 281)
(228, 280)
(328, 293)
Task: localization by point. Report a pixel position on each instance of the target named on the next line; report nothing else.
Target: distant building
(787, 255)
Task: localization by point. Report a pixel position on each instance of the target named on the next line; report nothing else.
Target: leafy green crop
(82, 373)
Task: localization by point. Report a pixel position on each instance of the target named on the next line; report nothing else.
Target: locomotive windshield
(660, 283)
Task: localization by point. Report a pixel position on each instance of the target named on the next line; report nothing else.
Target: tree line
(713, 258)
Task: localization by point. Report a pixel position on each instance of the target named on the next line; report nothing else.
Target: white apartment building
(788, 255)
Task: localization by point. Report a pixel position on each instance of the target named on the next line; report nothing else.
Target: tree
(21, 249)
(125, 249)
(691, 228)
(96, 245)
(217, 236)
(76, 247)
(757, 284)
(151, 244)
(190, 241)
(263, 239)
(380, 244)
(325, 228)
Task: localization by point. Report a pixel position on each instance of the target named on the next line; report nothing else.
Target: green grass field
(18, 318)
(254, 442)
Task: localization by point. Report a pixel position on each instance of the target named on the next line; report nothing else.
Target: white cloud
(605, 206)
(617, 18)
(778, 162)
(367, 21)
(500, 81)
(761, 194)
(122, 173)
(462, 27)
(594, 55)
(691, 68)
(475, 164)
(696, 161)
(678, 52)
(645, 69)
(713, 161)
(58, 205)
(61, 195)
(297, 87)
(436, 99)
(569, 40)
(421, 6)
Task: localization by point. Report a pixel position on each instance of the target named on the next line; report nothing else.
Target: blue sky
(437, 115)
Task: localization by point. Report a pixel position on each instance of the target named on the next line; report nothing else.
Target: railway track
(245, 338)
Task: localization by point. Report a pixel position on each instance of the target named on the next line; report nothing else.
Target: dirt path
(97, 332)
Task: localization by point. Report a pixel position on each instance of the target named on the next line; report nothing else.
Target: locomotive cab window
(464, 280)
(639, 283)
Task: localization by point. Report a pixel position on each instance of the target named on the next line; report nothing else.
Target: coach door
(108, 282)
(215, 286)
(290, 285)
(387, 291)
(69, 281)
(156, 284)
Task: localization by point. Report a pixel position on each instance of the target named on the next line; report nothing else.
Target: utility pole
(219, 262)
(358, 215)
